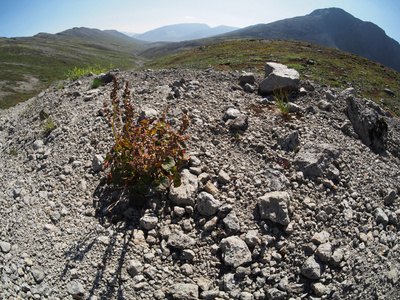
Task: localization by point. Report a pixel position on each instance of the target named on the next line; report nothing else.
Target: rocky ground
(303, 206)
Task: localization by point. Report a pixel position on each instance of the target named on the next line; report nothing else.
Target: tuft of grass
(96, 83)
(47, 125)
(282, 103)
(13, 152)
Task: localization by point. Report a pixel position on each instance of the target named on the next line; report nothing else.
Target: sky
(29, 17)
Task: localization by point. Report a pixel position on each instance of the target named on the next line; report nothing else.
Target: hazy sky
(29, 17)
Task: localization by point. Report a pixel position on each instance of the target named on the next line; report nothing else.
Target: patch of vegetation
(96, 83)
(77, 73)
(47, 125)
(147, 156)
(13, 152)
(319, 64)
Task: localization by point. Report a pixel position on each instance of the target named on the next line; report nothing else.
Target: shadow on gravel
(111, 208)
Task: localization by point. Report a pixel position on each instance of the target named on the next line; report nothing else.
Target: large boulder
(279, 77)
(368, 122)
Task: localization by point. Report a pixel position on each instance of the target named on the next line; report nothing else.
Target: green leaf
(169, 164)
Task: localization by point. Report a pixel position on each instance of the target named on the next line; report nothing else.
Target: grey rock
(276, 180)
(247, 78)
(187, 254)
(240, 123)
(311, 268)
(368, 124)
(37, 274)
(5, 247)
(274, 206)
(249, 88)
(184, 291)
(390, 197)
(180, 240)
(209, 295)
(325, 105)
(381, 216)
(134, 267)
(246, 296)
(206, 204)
(313, 159)
(231, 223)
(98, 163)
(289, 141)
(231, 113)
(149, 221)
(279, 77)
(235, 251)
(324, 252)
(337, 257)
(148, 113)
(252, 238)
(75, 288)
(223, 177)
(230, 282)
(319, 289)
(275, 294)
(320, 237)
(38, 144)
(185, 193)
(211, 224)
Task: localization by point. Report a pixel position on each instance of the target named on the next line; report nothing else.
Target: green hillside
(316, 63)
(29, 65)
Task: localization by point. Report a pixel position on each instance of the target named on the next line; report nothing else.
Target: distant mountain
(30, 64)
(182, 32)
(331, 27)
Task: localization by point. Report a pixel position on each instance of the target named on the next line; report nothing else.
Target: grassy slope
(28, 65)
(332, 67)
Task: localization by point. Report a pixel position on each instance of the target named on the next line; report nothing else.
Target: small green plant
(61, 86)
(47, 125)
(13, 152)
(148, 155)
(96, 83)
(282, 103)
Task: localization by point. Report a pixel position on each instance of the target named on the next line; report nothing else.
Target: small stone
(211, 224)
(251, 238)
(242, 272)
(390, 198)
(381, 217)
(311, 268)
(98, 163)
(337, 257)
(223, 177)
(319, 289)
(105, 240)
(231, 223)
(324, 252)
(275, 207)
(37, 274)
(38, 144)
(149, 221)
(187, 254)
(275, 294)
(179, 240)
(235, 251)
(51, 227)
(231, 113)
(5, 247)
(246, 296)
(75, 288)
(179, 211)
(320, 237)
(209, 187)
(134, 267)
(247, 78)
(187, 269)
(206, 204)
(185, 291)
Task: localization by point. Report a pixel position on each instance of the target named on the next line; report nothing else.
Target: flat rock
(184, 291)
(185, 193)
(235, 251)
(179, 240)
(274, 206)
(279, 77)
